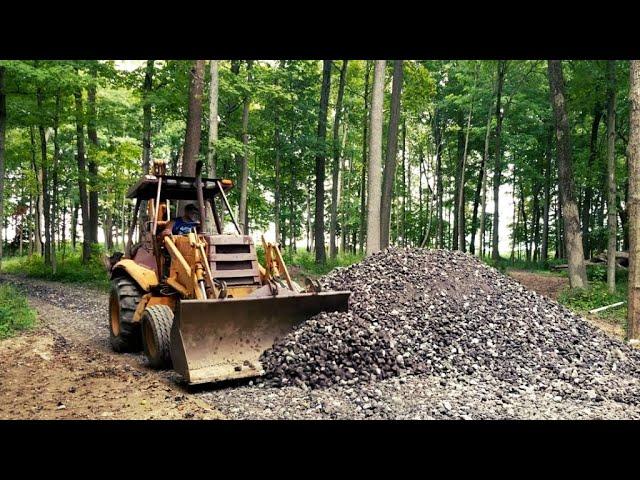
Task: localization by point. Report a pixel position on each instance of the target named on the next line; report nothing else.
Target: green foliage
(15, 313)
(70, 269)
(597, 295)
(304, 263)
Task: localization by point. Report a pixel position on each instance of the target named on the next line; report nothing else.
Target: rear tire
(124, 333)
(156, 333)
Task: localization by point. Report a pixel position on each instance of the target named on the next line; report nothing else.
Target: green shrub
(15, 313)
(597, 295)
(69, 269)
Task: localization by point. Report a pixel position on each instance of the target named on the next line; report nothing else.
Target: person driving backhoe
(184, 224)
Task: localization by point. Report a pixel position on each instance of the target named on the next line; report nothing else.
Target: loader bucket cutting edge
(216, 340)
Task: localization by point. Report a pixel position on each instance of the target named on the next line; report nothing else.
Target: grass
(303, 264)
(15, 313)
(69, 269)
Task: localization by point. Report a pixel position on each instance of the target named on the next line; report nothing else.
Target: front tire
(124, 333)
(156, 331)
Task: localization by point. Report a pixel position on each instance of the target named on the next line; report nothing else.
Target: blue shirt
(182, 227)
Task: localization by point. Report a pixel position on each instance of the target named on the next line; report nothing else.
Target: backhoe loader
(200, 301)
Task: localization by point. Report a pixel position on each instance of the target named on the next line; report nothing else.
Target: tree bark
(363, 176)
(82, 178)
(194, 119)
(612, 223)
(461, 202)
(3, 124)
(244, 159)
(483, 179)
(213, 118)
(54, 172)
(39, 202)
(439, 186)
(391, 154)
(633, 311)
(44, 184)
(335, 185)
(318, 220)
(92, 164)
(544, 255)
(497, 169)
(586, 204)
(375, 160)
(146, 116)
(572, 236)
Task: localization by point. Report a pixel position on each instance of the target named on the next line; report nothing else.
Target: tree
(374, 188)
(213, 118)
(633, 310)
(3, 123)
(497, 170)
(573, 238)
(611, 176)
(194, 119)
(243, 160)
(146, 116)
(320, 162)
(82, 178)
(391, 160)
(335, 167)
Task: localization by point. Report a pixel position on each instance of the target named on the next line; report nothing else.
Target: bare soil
(64, 369)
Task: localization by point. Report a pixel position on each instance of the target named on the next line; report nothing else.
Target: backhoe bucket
(215, 340)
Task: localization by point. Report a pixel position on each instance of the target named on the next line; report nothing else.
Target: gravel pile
(448, 315)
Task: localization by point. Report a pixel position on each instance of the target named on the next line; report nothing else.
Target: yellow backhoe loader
(200, 301)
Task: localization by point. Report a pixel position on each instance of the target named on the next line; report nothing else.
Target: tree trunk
(456, 188)
(586, 204)
(544, 255)
(497, 170)
(612, 223)
(82, 178)
(320, 162)
(484, 175)
(439, 186)
(3, 123)
(633, 312)
(44, 184)
(461, 202)
(194, 119)
(336, 163)
(572, 236)
(363, 176)
(391, 160)
(92, 164)
(147, 87)
(278, 194)
(54, 172)
(244, 159)
(37, 239)
(374, 186)
(213, 118)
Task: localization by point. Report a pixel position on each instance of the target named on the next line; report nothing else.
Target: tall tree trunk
(456, 187)
(375, 159)
(92, 164)
(544, 256)
(320, 162)
(44, 184)
(147, 87)
(586, 204)
(39, 202)
(363, 176)
(336, 163)
(82, 178)
(244, 159)
(3, 123)
(54, 172)
(439, 186)
(633, 312)
(612, 223)
(497, 170)
(461, 202)
(572, 236)
(194, 120)
(391, 160)
(484, 175)
(404, 183)
(278, 194)
(213, 118)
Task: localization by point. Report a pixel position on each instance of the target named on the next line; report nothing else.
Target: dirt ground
(551, 286)
(62, 369)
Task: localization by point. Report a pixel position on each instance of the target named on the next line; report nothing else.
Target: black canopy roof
(176, 188)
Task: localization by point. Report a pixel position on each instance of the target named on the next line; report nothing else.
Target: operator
(184, 224)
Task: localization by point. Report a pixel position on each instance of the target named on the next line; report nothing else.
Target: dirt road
(65, 369)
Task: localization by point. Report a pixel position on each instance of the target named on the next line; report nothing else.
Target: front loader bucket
(215, 340)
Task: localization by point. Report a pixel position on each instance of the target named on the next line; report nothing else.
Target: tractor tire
(124, 333)
(156, 329)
